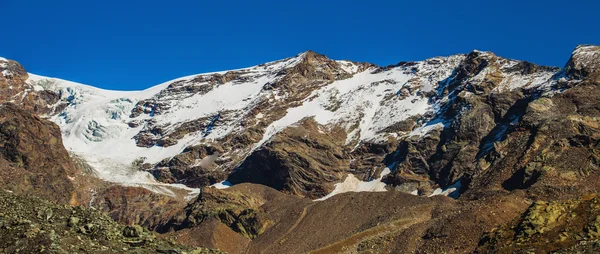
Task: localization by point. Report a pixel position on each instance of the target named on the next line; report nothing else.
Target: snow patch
(423, 130)
(222, 185)
(452, 190)
(353, 184)
(207, 161)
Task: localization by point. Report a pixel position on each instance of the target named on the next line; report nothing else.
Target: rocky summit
(470, 153)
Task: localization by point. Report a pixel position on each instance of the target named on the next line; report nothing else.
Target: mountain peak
(311, 53)
(311, 56)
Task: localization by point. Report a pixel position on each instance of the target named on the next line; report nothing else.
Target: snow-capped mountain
(517, 144)
(196, 130)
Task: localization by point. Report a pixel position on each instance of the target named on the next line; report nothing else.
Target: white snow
(352, 184)
(94, 126)
(513, 80)
(423, 130)
(207, 161)
(451, 191)
(348, 66)
(225, 97)
(366, 98)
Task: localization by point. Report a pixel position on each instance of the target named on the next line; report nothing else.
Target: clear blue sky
(133, 44)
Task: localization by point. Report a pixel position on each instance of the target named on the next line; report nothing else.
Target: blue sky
(136, 44)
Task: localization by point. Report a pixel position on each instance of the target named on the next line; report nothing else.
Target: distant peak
(3, 59)
(308, 52)
(312, 54)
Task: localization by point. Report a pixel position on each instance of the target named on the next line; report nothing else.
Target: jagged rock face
(195, 167)
(552, 151)
(12, 78)
(482, 98)
(33, 158)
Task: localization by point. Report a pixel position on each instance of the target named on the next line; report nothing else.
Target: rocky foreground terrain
(459, 154)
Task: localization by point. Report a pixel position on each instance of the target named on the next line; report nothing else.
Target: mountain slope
(33, 225)
(511, 141)
(237, 113)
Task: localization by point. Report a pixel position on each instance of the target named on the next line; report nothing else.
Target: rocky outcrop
(301, 160)
(196, 166)
(14, 88)
(551, 152)
(136, 205)
(584, 63)
(239, 209)
(313, 71)
(33, 159)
